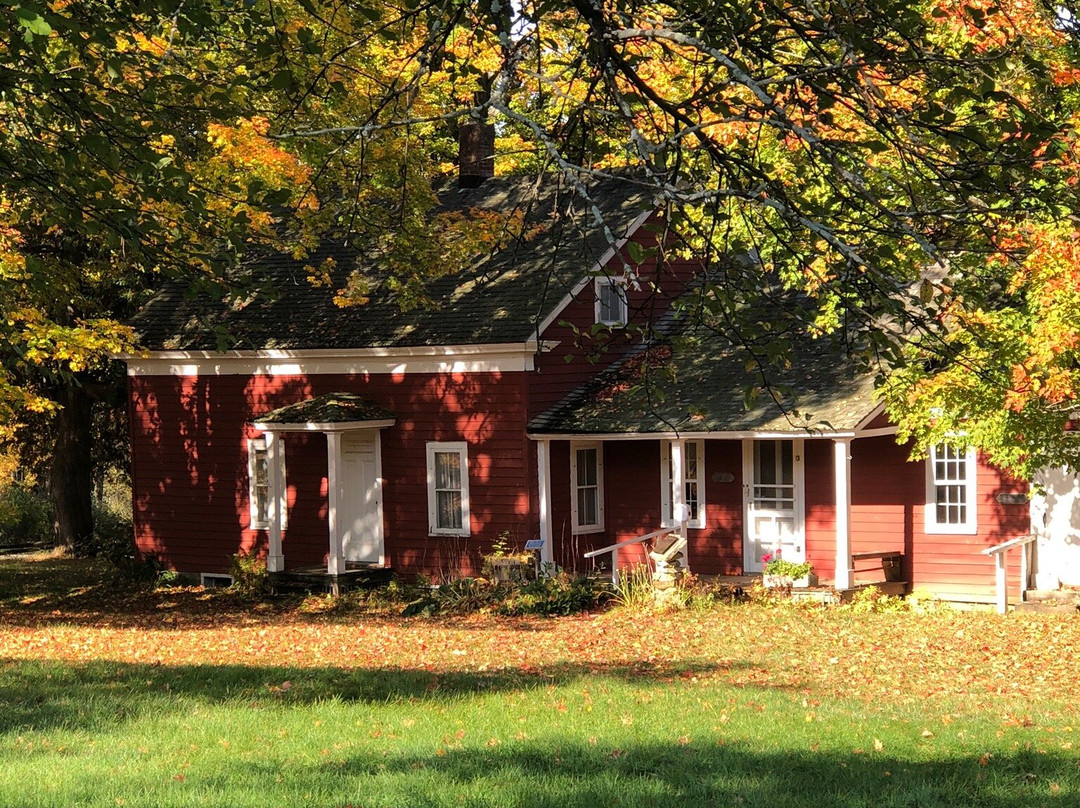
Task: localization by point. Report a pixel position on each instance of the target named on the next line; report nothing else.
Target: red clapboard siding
(820, 506)
(888, 513)
(190, 472)
(632, 506)
(577, 357)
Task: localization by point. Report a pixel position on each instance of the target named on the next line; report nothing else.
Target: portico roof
(330, 412)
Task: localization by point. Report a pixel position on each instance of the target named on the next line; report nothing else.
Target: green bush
(249, 575)
(554, 595)
(114, 537)
(25, 516)
(873, 600)
(558, 595)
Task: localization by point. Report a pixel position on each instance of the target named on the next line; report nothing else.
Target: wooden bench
(890, 565)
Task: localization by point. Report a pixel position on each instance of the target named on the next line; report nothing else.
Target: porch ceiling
(331, 409)
(701, 381)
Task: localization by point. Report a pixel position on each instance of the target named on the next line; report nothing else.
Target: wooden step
(313, 580)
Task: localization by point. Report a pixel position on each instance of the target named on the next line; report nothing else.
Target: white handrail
(614, 549)
(654, 535)
(1001, 568)
(1008, 545)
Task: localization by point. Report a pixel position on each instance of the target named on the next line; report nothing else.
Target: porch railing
(614, 549)
(999, 552)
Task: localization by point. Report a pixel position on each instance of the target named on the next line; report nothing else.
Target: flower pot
(770, 581)
(787, 582)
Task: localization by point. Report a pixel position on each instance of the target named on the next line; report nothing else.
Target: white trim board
(494, 358)
(688, 435)
(595, 270)
(861, 427)
(344, 426)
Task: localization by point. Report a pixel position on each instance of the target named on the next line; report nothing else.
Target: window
(258, 484)
(611, 301)
(448, 489)
(259, 492)
(694, 476)
(587, 476)
(950, 490)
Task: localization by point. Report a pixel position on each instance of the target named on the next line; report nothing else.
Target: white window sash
(618, 284)
(577, 528)
(970, 523)
(255, 446)
(461, 449)
(666, 515)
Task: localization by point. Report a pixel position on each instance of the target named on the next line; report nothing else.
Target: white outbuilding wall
(1055, 518)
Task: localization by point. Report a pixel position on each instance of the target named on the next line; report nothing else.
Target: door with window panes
(773, 500)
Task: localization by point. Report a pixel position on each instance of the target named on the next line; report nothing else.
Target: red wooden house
(368, 436)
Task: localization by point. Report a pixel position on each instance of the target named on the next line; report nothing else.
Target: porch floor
(317, 579)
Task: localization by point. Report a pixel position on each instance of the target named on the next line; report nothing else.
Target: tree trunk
(71, 478)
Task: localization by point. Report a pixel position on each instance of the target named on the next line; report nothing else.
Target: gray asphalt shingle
(500, 299)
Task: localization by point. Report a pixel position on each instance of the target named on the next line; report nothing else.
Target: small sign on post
(536, 545)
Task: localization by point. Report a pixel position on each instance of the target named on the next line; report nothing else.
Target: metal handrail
(614, 549)
(1001, 567)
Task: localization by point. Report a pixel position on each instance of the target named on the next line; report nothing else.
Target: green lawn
(173, 700)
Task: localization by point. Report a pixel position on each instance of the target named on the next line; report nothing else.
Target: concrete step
(1053, 596)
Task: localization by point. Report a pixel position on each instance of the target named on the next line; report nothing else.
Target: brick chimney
(476, 153)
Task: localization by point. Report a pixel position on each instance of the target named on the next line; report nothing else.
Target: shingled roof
(331, 408)
(500, 299)
(696, 380)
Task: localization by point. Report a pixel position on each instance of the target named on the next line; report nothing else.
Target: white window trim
(462, 448)
(578, 529)
(665, 484)
(254, 445)
(970, 525)
(598, 284)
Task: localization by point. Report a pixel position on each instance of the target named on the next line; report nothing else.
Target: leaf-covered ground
(183, 697)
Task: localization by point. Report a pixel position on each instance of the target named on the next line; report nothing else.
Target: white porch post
(842, 477)
(1002, 580)
(678, 495)
(543, 478)
(275, 446)
(335, 562)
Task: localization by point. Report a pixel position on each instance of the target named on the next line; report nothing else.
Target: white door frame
(347, 499)
(750, 564)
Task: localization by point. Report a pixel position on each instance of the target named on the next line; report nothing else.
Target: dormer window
(611, 301)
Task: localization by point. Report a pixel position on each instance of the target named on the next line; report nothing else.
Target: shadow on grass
(101, 694)
(707, 773)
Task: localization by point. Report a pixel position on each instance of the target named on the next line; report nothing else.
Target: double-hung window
(587, 496)
(611, 306)
(259, 491)
(693, 487)
(950, 489)
(448, 489)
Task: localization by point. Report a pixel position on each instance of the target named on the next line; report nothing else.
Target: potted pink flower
(781, 573)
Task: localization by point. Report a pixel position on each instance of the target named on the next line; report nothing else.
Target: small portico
(352, 425)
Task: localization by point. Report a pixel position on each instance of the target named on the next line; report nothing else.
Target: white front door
(773, 501)
(362, 528)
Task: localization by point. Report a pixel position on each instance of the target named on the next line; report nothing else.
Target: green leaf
(33, 22)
